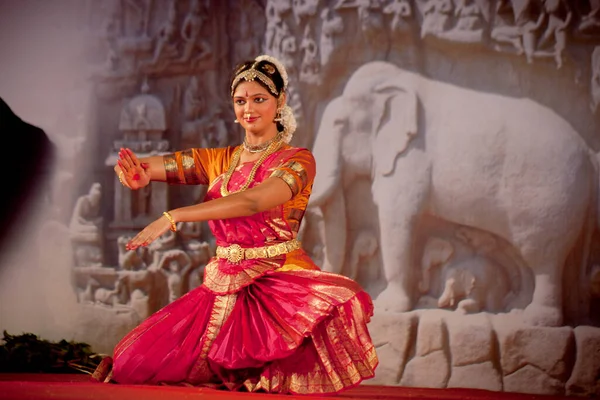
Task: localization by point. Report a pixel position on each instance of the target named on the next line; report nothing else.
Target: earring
(278, 115)
(236, 121)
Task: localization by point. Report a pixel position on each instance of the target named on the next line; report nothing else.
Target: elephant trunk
(327, 153)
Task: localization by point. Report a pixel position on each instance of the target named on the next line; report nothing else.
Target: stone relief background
(458, 181)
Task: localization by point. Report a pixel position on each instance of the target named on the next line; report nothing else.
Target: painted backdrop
(457, 169)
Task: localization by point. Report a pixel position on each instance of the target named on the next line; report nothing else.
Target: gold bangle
(171, 220)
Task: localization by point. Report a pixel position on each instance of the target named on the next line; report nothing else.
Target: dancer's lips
(251, 119)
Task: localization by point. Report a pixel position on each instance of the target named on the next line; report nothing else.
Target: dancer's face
(255, 108)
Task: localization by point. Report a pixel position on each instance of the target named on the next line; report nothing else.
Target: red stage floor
(75, 387)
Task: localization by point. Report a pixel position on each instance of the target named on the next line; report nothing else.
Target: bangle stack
(171, 220)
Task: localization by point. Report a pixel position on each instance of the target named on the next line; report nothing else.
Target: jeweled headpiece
(253, 73)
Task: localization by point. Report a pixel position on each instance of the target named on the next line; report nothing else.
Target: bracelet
(171, 220)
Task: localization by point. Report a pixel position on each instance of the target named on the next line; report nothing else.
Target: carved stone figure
(469, 281)
(559, 18)
(310, 70)
(332, 24)
(191, 30)
(158, 248)
(288, 51)
(129, 259)
(304, 9)
(193, 101)
(517, 23)
(85, 228)
(474, 285)
(388, 126)
(365, 246)
(595, 79)
(86, 221)
(437, 17)
(400, 11)
(277, 28)
(215, 133)
(470, 22)
(87, 254)
(136, 288)
(166, 39)
(143, 121)
(189, 231)
(370, 19)
(589, 25)
(195, 113)
(176, 265)
(246, 46)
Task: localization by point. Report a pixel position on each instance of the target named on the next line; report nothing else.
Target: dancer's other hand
(149, 234)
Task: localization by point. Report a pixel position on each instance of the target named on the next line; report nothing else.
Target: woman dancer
(265, 318)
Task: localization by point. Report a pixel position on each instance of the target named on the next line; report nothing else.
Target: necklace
(271, 148)
(250, 148)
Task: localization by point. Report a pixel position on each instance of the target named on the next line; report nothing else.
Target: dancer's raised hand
(131, 172)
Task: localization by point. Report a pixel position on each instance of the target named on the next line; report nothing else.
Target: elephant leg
(334, 233)
(398, 217)
(547, 263)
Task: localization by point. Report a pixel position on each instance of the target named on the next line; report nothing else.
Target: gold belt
(236, 253)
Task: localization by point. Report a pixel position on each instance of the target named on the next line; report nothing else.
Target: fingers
(139, 240)
(130, 158)
(125, 161)
(149, 234)
(142, 239)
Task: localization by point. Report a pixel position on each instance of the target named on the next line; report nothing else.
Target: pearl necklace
(270, 149)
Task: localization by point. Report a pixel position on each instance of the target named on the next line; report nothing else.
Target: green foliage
(28, 353)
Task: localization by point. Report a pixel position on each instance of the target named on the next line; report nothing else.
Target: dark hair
(266, 68)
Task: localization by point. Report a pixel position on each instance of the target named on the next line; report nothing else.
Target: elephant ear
(394, 124)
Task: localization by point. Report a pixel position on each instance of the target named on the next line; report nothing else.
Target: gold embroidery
(189, 167)
(241, 275)
(301, 172)
(170, 163)
(287, 178)
(294, 218)
(222, 307)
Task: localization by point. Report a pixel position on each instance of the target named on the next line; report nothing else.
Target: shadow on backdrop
(27, 167)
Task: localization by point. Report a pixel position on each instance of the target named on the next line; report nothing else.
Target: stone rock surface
(393, 336)
(430, 371)
(585, 379)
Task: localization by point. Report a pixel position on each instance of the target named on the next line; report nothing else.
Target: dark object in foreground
(28, 164)
(28, 353)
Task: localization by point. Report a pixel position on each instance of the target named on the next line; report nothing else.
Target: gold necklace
(234, 161)
(260, 147)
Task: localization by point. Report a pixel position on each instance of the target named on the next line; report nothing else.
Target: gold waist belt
(236, 253)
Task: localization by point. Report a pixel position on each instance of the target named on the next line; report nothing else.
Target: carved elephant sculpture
(474, 285)
(509, 166)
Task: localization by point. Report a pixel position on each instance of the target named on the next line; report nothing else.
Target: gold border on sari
(221, 282)
(222, 308)
(170, 163)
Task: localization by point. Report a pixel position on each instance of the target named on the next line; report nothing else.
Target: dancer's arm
(265, 196)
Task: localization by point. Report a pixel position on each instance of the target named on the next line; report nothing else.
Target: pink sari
(274, 324)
